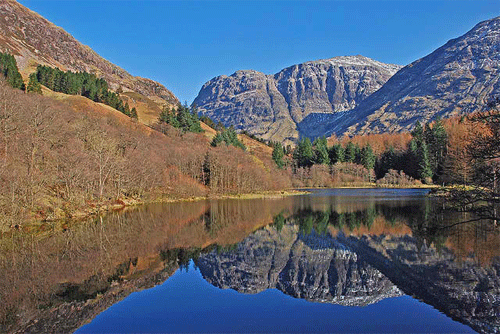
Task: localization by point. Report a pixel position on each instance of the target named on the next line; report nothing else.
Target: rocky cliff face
(458, 78)
(271, 106)
(34, 40)
(312, 267)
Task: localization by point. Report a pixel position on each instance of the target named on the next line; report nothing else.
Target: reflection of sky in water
(187, 303)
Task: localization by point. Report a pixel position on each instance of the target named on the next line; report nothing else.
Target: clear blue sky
(183, 44)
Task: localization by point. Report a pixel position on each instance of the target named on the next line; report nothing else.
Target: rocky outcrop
(271, 106)
(311, 267)
(34, 40)
(458, 78)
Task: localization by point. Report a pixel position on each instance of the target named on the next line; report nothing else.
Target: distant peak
(357, 60)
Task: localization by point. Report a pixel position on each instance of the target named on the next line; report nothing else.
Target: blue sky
(183, 44)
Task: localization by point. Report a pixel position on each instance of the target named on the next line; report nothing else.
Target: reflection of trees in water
(429, 224)
(320, 221)
(41, 272)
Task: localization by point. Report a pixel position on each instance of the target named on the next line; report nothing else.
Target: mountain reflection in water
(345, 247)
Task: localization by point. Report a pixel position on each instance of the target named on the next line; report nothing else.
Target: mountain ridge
(455, 79)
(271, 105)
(458, 78)
(34, 40)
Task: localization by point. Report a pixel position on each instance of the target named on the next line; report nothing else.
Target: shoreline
(117, 205)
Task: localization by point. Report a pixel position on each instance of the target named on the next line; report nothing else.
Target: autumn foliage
(59, 157)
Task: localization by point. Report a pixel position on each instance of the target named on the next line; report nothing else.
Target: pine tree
(33, 85)
(304, 154)
(368, 157)
(411, 165)
(358, 154)
(437, 151)
(336, 154)
(424, 167)
(321, 151)
(133, 113)
(8, 67)
(217, 140)
(418, 132)
(229, 137)
(388, 160)
(278, 155)
(350, 152)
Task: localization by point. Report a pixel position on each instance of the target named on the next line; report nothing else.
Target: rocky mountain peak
(272, 106)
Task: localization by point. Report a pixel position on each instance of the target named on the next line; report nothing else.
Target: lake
(335, 260)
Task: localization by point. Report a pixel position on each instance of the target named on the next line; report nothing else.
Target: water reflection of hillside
(348, 250)
(53, 273)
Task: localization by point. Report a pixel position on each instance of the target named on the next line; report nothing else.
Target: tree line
(80, 83)
(227, 136)
(186, 119)
(181, 117)
(422, 157)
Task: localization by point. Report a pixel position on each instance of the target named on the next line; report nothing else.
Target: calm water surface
(341, 260)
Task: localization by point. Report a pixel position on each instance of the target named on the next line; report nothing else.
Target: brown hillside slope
(62, 154)
(34, 40)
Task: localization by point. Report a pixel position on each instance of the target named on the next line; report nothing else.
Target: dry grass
(148, 111)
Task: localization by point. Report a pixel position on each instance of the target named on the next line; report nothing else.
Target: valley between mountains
(80, 134)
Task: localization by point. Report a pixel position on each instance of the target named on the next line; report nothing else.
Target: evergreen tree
(368, 157)
(133, 113)
(336, 154)
(418, 132)
(168, 116)
(229, 137)
(425, 171)
(411, 166)
(33, 85)
(304, 154)
(217, 140)
(81, 83)
(321, 155)
(8, 67)
(388, 160)
(437, 148)
(350, 152)
(195, 124)
(358, 155)
(278, 155)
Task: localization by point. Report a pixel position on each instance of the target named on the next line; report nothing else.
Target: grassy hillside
(147, 109)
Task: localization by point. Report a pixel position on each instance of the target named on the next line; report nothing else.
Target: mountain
(271, 106)
(458, 78)
(33, 40)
